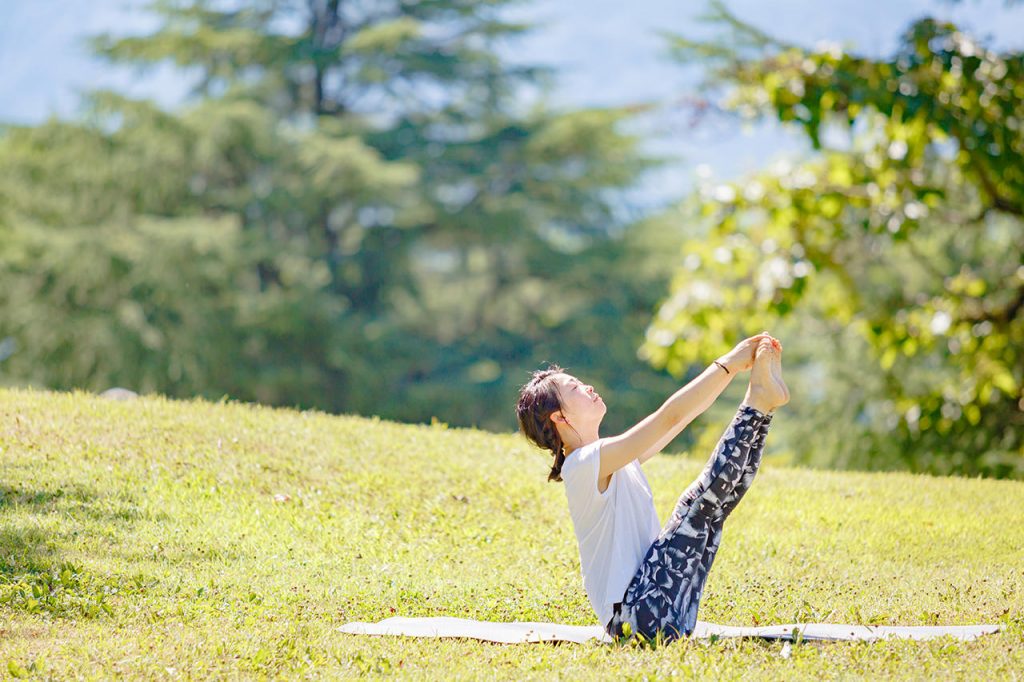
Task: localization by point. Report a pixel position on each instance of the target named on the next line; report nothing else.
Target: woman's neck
(575, 443)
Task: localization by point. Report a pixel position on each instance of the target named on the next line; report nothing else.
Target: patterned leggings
(665, 592)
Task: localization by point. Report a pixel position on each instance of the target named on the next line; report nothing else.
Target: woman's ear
(558, 417)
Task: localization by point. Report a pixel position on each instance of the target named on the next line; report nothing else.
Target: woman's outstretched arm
(706, 394)
(677, 429)
(651, 434)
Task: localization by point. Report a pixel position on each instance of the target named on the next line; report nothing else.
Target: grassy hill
(162, 539)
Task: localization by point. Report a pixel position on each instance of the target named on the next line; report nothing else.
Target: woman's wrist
(723, 364)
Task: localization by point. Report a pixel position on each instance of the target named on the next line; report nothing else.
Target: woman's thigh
(665, 593)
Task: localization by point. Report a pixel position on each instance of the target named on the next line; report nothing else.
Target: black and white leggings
(665, 592)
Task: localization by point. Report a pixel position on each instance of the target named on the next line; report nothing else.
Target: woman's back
(614, 529)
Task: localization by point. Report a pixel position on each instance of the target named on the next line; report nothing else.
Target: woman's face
(580, 402)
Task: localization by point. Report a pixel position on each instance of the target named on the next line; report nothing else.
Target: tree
(903, 236)
(403, 217)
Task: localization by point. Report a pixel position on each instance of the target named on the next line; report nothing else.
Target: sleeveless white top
(614, 529)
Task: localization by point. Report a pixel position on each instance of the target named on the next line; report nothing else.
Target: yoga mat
(524, 632)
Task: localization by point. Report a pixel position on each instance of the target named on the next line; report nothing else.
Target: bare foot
(776, 368)
(766, 392)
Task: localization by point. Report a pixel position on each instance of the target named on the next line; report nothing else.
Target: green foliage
(164, 305)
(905, 232)
(60, 592)
(232, 540)
(332, 58)
(355, 212)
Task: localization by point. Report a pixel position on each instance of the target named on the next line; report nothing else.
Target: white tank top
(614, 529)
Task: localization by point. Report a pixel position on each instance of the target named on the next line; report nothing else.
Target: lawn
(172, 539)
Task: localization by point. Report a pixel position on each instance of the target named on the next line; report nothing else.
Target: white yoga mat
(519, 633)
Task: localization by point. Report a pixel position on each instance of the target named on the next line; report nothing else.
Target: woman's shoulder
(581, 469)
(583, 454)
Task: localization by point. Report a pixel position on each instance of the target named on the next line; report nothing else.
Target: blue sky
(606, 50)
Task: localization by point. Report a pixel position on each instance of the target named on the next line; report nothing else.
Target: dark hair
(538, 399)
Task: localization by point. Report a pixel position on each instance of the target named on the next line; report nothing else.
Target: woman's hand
(741, 358)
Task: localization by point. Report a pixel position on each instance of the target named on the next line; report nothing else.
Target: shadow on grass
(74, 500)
(27, 549)
(23, 551)
(34, 577)
(91, 511)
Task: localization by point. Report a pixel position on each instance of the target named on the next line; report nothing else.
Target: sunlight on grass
(155, 538)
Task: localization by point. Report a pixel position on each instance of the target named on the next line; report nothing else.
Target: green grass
(142, 539)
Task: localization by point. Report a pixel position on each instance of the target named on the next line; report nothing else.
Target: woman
(642, 579)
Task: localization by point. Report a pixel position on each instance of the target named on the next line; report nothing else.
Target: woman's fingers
(775, 341)
(754, 343)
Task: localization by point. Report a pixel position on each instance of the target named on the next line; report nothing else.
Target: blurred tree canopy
(899, 241)
(362, 209)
